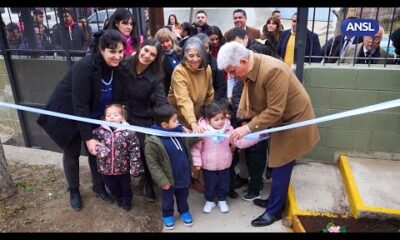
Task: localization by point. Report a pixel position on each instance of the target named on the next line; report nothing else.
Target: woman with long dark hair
(92, 83)
(216, 40)
(146, 88)
(123, 21)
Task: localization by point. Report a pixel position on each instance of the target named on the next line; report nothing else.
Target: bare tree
(7, 186)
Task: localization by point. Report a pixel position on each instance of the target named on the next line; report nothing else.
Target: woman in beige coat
(191, 88)
(272, 96)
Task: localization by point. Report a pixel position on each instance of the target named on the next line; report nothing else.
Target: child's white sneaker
(208, 206)
(223, 206)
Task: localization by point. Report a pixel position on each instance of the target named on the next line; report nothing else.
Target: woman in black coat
(146, 89)
(90, 84)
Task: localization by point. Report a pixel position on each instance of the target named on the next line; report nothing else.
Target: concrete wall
(10, 129)
(335, 89)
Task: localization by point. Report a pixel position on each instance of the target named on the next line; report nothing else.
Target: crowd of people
(188, 78)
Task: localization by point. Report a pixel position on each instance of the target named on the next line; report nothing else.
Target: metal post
(156, 16)
(29, 32)
(11, 74)
(300, 42)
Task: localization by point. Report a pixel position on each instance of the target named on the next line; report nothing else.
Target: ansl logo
(360, 27)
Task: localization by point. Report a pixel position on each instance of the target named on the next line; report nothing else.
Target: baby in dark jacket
(119, 156)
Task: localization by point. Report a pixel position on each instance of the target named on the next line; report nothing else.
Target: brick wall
(335, 89)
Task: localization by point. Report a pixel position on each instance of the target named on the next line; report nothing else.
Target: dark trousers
(279, 190)
(232, 173)
(256, 160)
(181, 196)
(120, 187)
(71, 165)
(216, 183)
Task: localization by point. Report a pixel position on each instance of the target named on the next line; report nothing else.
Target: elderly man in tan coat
(272, 96)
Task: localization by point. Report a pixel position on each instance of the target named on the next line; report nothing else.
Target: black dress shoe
(261, 202)
(233, 194)
(264, 220)
(75, 198)
(102, 193)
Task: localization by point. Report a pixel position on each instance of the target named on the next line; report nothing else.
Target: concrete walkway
(318, 187)
(236, 220)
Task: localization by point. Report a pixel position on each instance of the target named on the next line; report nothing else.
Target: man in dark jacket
(70, 36)
(255, 155)
(337, 45)
(201, 22)
(286, 46)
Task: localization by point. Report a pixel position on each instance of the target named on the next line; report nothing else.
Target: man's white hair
(230, 54)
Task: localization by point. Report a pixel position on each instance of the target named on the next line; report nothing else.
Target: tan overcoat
(278, 98)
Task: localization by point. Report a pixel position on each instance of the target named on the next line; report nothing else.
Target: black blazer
(218, 78)
(146, 91)
(168, 70)
(78, 94)
(312, 39)
(332, 48)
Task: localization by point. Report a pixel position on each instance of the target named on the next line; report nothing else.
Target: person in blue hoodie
(170, 162)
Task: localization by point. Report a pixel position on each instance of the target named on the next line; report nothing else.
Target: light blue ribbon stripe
(350, 113)
(252, 136)
(118, 125)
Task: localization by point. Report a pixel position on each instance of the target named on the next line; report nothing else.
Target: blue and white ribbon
(255, 135)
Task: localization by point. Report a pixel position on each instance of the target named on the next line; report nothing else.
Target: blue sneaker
(187, 219)
(169, 222)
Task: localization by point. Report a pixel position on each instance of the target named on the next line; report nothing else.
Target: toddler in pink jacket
(213, 155)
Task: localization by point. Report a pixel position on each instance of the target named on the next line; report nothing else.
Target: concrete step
(317, 189)
(372, 186)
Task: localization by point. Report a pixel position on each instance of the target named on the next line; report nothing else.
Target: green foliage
(332, 228)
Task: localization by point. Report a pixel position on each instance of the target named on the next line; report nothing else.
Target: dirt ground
(42, 205)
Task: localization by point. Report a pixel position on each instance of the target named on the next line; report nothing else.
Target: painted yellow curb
(356, 202)
(296, 225)
(293, 211)
(357, 205)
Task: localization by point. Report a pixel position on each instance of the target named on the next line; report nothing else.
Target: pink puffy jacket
(215, 154)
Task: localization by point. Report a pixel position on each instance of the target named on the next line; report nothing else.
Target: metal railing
(28, 36)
